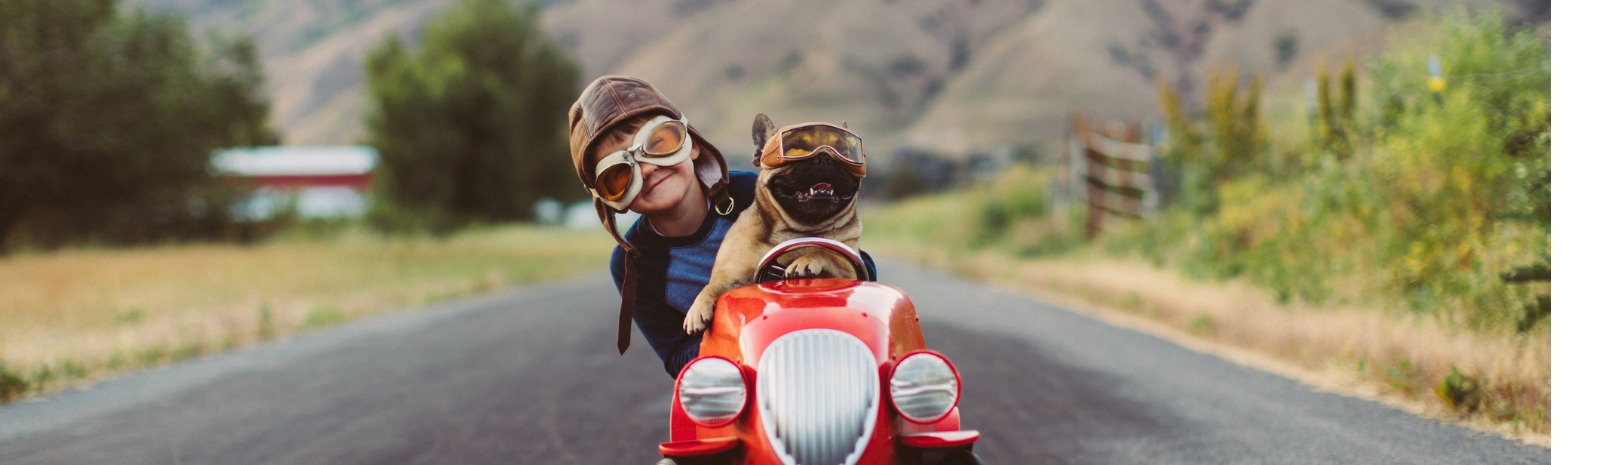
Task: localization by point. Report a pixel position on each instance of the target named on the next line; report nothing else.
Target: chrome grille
(818, 394)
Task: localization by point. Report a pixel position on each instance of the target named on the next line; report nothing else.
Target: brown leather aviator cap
(610, 100)
(605, 103)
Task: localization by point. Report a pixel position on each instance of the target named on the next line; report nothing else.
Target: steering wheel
(771, 270)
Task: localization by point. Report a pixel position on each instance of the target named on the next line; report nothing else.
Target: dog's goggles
(662, 141)
(805, 140)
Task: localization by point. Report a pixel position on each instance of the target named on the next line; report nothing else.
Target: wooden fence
(1109, 167)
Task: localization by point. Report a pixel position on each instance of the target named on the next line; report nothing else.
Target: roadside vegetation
(1397, 233)
(72, 315)
(118, 250)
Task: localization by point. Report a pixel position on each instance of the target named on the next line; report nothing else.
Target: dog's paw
(808, 266)
(698, 319)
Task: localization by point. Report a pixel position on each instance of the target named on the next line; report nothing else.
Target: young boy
(635, 151)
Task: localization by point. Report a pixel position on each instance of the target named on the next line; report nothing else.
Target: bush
(1432, 197)
(1229, 142)
(1462, 174)
(12, 386)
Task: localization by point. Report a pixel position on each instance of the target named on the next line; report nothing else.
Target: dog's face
(811, 191)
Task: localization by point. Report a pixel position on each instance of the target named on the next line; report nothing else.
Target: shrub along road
(530, 376)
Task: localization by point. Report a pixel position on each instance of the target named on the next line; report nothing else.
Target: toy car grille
(818, 394)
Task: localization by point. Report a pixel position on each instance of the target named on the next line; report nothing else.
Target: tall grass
(72, 314)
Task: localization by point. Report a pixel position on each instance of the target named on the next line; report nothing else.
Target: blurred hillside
(949, 75)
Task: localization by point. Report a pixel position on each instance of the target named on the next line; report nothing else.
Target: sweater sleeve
(872, 267)
(661, 324)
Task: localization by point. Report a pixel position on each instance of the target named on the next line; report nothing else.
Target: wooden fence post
(1116, 176)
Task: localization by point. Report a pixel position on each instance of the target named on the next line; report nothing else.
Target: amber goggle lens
(805, 141)
(666, 139)
(614, 180)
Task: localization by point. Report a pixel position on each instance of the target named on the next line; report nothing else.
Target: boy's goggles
(662, 141)
(805, 140)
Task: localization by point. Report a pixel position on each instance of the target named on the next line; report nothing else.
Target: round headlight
(924, 387)
(712, 391)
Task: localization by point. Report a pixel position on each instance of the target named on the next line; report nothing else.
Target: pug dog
(809, 176)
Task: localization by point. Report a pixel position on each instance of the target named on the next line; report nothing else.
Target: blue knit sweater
(673, 270)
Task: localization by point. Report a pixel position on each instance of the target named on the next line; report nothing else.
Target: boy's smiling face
(664, 187)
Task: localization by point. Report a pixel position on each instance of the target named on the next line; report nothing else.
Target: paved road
(530, 376)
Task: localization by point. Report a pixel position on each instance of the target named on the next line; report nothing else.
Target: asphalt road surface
(532, 376)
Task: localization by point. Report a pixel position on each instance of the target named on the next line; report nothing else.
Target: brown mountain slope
(953, 75)
(876, 65)
(1103, 59)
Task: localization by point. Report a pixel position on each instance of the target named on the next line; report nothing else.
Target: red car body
(747, 323)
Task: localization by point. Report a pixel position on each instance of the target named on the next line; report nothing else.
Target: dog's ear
(760, 131)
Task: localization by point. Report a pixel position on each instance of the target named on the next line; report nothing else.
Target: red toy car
(817, 372)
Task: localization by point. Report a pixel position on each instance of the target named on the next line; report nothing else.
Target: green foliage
(129, 316)
(1460, 392)
(1432, 198)
(1008, 205)
(108, 120)
(1236, 125)
(12, 385)
(1466, 170)
(265, 327)
(1202, 325)
(1403, 377)
(471, 124)
(1336, 112)
(1230, 142)
(321, 316)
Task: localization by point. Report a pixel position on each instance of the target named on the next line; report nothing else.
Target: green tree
(108, 120)
(471, 124)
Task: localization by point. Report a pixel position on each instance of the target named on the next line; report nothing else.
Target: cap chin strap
(630, 283)
(630, 277)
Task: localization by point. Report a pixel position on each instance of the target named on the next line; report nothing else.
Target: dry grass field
(72, 315)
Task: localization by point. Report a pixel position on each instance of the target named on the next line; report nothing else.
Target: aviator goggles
(805, 140)
(662, 141)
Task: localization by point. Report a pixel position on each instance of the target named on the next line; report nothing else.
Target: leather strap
(630, 281)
